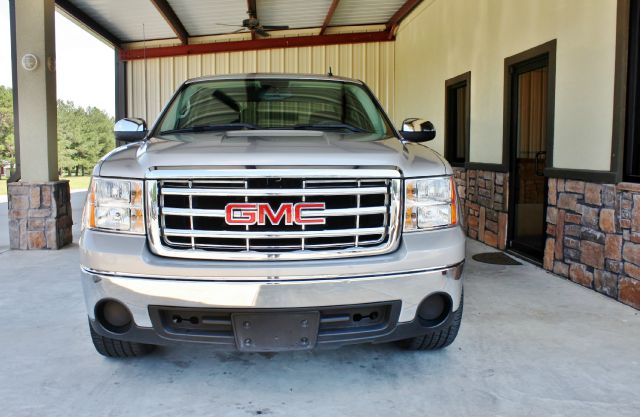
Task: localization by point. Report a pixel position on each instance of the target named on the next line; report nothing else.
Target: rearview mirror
(417, 130)
(130, 130)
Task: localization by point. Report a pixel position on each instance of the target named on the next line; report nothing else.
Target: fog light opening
(434, 309)
(113, 316)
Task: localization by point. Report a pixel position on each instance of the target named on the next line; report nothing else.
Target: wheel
(437, 339)
(113, 348)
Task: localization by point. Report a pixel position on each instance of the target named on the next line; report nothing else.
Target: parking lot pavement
(531, 344)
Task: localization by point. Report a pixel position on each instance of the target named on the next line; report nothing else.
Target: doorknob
(541, 156)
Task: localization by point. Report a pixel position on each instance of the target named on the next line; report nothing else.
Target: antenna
(330, 74)
(146, 92)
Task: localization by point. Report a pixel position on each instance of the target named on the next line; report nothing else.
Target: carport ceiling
(123, 21)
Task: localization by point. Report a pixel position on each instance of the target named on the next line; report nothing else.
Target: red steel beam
(399, 16)
(268, 43)
(329, 16)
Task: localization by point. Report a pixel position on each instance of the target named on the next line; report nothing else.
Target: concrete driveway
(531, 344)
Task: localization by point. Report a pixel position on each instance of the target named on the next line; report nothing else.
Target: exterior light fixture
(29, 62)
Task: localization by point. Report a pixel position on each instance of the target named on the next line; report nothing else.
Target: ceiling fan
(252, 24)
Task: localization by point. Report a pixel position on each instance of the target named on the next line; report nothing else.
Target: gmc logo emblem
(259, 213)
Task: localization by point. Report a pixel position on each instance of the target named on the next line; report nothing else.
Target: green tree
(7, 147)
(84, 134)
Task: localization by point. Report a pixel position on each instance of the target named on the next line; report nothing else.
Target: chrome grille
(187, 217)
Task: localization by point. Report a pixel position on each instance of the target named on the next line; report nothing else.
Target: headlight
(429, 203)
(114, 204)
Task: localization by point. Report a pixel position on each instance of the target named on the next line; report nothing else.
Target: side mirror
(130, 130)
(417, 130)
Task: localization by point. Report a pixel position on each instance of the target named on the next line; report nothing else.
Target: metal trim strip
(259, 192)
(248, 172)
(362, 211)
(275, 280)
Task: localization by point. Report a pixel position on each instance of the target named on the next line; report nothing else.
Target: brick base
(39, 215)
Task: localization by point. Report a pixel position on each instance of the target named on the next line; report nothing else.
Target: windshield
(274, 104)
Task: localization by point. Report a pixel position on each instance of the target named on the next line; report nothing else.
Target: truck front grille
(361, 216)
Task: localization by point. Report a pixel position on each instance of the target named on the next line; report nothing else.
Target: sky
(84, 65)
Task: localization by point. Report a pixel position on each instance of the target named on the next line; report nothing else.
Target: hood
(256, 148)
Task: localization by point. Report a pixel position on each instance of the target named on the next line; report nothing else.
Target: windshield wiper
(331, 126)
(211, 128)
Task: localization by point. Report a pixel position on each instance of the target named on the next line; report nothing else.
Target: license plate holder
(275, 331)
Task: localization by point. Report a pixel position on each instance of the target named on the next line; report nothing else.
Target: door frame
(511, 64)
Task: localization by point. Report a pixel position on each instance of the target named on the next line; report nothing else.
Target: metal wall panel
(150, 84)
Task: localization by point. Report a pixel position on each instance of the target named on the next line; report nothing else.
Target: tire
(437, 339)
(113, 348)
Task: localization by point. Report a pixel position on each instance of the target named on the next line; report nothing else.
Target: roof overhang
(185, 27)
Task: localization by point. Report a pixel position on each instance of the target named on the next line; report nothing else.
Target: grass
(75, 183)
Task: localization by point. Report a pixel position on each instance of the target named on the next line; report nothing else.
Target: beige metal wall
(445, 38)
(371, 62)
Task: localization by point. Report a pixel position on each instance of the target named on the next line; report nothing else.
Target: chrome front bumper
(121, 267)
(139, 293)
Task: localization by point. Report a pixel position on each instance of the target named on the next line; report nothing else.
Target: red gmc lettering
(240, 213)
(259, 213)
(300, 219)
(284, 211)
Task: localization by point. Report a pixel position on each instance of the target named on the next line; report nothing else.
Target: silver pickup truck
(268, 212)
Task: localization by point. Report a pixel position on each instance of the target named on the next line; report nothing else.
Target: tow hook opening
(371, 316)
(177, 319)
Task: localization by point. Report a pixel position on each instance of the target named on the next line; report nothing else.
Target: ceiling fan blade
(224, 24)
(241, 30)
(260, 31)
(275, 27)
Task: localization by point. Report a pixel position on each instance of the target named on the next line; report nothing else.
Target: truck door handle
(541, 156)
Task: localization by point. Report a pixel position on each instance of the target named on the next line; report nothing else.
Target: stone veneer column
(39, 215)
(593, 236)
(486, 204)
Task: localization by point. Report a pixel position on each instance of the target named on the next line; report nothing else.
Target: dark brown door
(529, 131)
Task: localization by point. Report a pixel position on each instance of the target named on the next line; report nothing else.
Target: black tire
(113, 348)
(437, 339)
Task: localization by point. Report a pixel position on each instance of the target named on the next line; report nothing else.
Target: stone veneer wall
(484, 199)
(39, 215)
(593, 230)
(593, 236)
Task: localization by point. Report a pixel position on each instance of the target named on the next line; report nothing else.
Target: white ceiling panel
(360, 12)
(125, 18)
(295, 14)
(209, 17)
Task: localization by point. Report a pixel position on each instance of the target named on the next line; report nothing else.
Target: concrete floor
(531, 344)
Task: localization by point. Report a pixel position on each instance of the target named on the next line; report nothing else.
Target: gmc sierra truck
(271, 212)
